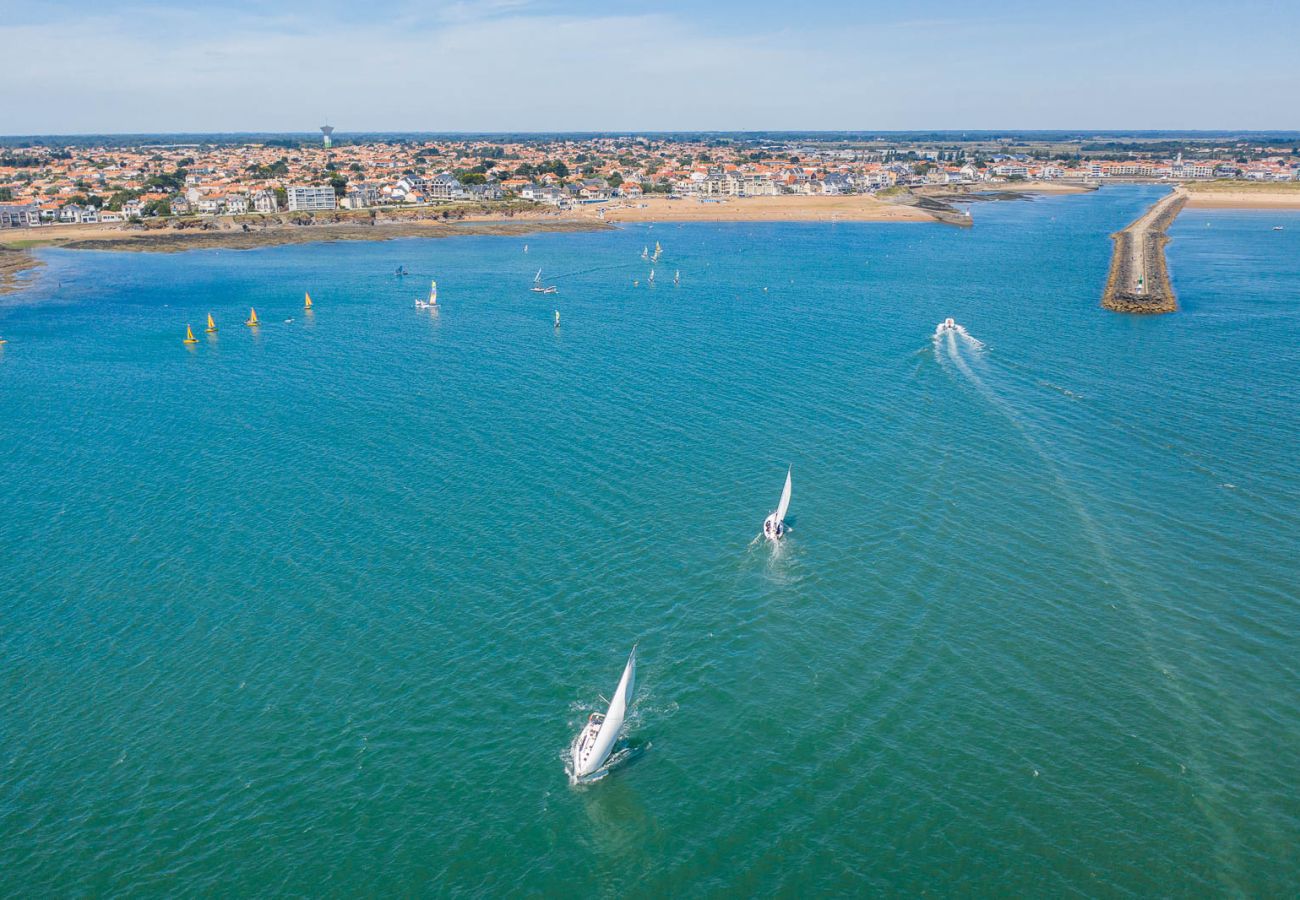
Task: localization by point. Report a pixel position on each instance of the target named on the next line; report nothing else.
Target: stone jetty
(1139, 276)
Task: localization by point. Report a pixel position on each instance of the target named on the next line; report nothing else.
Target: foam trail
(1227, 847)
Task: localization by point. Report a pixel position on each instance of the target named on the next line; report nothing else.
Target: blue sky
(79, 66)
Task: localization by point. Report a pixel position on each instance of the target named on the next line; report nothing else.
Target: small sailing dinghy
(677, 277)
(189, 336)
(658, 251)
(212, 326)
(652, 277)
(432, 302)
(592, 746)
(774, 525)
(252, 318)
(645, 252)
(539, 288)
(306, 303)
(557, 318)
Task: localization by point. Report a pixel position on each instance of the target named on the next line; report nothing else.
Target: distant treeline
(1100, 139)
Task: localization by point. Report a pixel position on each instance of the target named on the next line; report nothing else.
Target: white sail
(537, 279)
(785, 497)
(589, 758)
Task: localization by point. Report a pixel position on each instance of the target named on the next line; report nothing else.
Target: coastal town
(45, 183)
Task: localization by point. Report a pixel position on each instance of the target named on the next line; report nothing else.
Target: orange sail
(189, 336)
(212, 326)
(252, 318)
(307, 303)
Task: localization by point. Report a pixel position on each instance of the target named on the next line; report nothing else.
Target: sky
(130, 66)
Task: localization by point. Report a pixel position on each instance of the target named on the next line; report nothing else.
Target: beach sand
(1244, 194)
(1245, 200)
(843, 208)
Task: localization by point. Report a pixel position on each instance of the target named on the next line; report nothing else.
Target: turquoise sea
(316, 610)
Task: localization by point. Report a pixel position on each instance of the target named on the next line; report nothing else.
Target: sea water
(317, 608)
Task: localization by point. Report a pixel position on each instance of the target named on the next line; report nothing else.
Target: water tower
(327, 130)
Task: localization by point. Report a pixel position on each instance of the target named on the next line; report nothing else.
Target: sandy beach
(842, 208)
(1264, 196)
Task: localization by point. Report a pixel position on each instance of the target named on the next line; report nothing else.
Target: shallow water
(317, 609)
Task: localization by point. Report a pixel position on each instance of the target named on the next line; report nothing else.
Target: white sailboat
(652, 276)
(432, 302)
(677, 277)
(658, 250)
(539, 288)
(557, 318)
(593, 744)
(774, 525)
(645, 252)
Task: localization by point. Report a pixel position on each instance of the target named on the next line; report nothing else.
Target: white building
(264, 201)
(308, 198)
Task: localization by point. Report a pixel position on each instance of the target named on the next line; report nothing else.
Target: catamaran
(774, 525)
(432, 302)
(593, 744)
(539, 288)
(212, 326)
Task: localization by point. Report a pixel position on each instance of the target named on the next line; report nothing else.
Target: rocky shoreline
(12, 262)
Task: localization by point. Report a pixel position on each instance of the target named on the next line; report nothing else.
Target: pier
(1139, 276)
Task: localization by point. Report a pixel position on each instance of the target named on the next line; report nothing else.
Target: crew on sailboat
(774, 527)
(592, 746)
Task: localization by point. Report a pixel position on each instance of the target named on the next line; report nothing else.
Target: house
(180, 206)
(133, 209)
(265, 201)
(74, 214)
(236, 204)
(630, 189)
(836, 183)
(445, 187)
(490, 190)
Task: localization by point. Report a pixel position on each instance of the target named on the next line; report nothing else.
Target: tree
(615, 180)
(472, 178)
(6, 194)
(339, 183)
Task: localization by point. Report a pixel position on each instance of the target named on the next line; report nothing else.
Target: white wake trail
(1227, 847)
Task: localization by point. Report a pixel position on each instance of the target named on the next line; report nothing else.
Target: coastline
(12, 263)
(787, 208)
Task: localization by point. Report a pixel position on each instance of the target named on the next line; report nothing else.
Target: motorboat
(774, 527)
(592, 746)
(946, 325)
